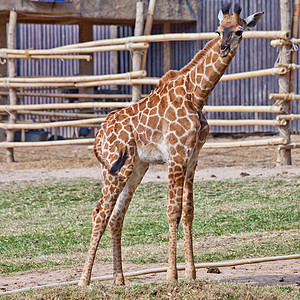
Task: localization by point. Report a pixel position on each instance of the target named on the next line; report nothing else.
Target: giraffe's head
(232, 26)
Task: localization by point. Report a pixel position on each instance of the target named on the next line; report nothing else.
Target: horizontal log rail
(63, 106)
(73, 96)
(155, 80)
(4, 52)
(47, 143)
(51, 124)
(175, 37)
(38, 56)
(116, 79)
(252, 143)
(75, 123)
(287, 97)
(246, 122)
(17, 82)
(207, 108)
(289, 66)
(281, 42)
(72, 79)
(242, 108)
(269, 109)
(289, 146)
(290, 117)
(60, 114)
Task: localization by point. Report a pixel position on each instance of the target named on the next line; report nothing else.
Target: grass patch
(180, 290)
(49, 225)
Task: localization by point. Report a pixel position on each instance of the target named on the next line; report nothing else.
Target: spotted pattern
(168, 127)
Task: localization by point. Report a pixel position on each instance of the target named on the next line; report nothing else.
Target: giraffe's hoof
(83, 282)
(190, 274)
(119, 280)
(172, 275)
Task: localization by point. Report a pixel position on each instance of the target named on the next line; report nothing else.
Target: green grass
(49, 225)
(180, 290)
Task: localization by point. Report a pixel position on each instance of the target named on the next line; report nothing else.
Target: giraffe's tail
(119, 163)
(116, 166)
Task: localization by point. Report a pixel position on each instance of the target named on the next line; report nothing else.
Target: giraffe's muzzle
(224, 50)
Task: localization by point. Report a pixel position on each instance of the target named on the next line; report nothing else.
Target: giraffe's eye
(218, 32)
(239, 33)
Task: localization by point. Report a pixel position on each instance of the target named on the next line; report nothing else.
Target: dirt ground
(78, 161)
(38, 164)
(278, 273)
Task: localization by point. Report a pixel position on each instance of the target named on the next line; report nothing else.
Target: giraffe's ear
(220, 16)
(252, 20)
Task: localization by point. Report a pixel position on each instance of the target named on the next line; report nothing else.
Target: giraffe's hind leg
(111, 188)
(117, 218)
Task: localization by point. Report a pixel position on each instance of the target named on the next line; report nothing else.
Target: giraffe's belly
(153, 153)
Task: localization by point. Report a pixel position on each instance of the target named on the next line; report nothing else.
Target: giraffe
(169, 127)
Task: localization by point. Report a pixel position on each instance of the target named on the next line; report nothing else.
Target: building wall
(253, 54)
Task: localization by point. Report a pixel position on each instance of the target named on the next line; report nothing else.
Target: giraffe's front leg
(187, 219)
(176, 180)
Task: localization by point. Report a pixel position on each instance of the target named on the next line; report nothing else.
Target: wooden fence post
(11, 44)
(3, 73)
(137, 55)
(284, 155)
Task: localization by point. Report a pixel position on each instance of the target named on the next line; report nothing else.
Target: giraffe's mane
(173, 74)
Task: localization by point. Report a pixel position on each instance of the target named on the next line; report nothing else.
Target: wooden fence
(135, 44)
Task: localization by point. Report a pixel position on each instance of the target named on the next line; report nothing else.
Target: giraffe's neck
(207, 70)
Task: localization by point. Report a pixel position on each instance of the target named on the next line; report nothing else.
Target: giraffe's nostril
(224, 47)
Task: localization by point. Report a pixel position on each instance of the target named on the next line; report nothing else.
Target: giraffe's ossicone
(167, 127)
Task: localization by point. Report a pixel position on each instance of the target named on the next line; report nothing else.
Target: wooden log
(241, 108)
(292, 66)
(279, 43)
(114, 55)
(62, 57)
(71, 79)
(29, 52)
(83, 96)
(137, 55)
(148, 27)
(151, 81)
(253, 143)
(47, 143)
(252, 74)
(166, 50)
(290, 117)
(295, 31)
(289, 146)
(176, 37)
(154, 80)
(64, 106)
(11, 44)
(60, 114)
(96, 120)
(284, 156)
(7, 84)
(146, 80)
(246, 122)
(52, 124)
(239, 144)
(271, 109)
(207, 108)
(286, 97)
